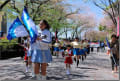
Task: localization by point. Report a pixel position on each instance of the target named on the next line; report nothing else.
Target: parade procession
(59, 40)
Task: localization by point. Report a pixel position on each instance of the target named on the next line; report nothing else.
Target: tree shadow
(26, 78)
(17, 60)
(15, 71)
(87, 68)
(54, 77)
(76, 75)
(59, 61)
(93, 53)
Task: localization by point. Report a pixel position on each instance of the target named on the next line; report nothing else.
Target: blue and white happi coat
(40, 50)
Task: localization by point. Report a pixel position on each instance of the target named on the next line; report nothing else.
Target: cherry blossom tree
(110, 7)
(108, 24)
(83, 22)
(96, 35)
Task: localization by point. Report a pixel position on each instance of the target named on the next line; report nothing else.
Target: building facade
(3, 24)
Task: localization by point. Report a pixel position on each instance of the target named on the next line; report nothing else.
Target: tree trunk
(76, 32)
(66, 32)
(73, 34)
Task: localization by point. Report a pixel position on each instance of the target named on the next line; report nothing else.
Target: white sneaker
(38, 77)
(32, 74)
(26, 69)
(68, 72)
(44, 78)
(32, 71)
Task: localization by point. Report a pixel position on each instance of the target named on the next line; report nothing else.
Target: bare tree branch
(75, 12)
(111, 3)
(38, 7)
(5, 3)
(13, 5)
(112, 16)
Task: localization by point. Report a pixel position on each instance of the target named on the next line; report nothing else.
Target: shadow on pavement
(75, 76)
(87, 68)
(25, 78)
(54, 77)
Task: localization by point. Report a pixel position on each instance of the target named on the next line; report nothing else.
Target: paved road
(95, 67)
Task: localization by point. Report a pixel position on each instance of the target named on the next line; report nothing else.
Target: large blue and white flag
(16, 30)
(30, 25)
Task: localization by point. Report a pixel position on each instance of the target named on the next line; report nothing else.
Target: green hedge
(6, 44)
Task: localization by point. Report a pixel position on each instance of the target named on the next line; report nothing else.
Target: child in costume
(85, 48)
(40, 51)
(76, 49)
(26, 57)
(82, 52)
(62, 51)
(88, 47)
(56, 48)
(62, 48)
(68, 59)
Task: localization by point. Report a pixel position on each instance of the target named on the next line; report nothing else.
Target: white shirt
(44, 43)
(57, 44)
(75, 44)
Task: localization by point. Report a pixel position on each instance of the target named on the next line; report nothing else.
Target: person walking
(76, 50)
(56, 48)
(68, 59)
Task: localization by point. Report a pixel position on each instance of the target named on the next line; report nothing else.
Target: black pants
(88, 48)
(114, 61)
(92, 49)
(97, 49)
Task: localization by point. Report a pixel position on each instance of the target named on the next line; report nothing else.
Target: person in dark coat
(114, 45)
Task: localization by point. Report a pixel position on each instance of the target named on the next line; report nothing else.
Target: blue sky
(92, 9)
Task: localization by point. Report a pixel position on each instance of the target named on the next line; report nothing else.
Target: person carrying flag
(114, 50)
(40, 51)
